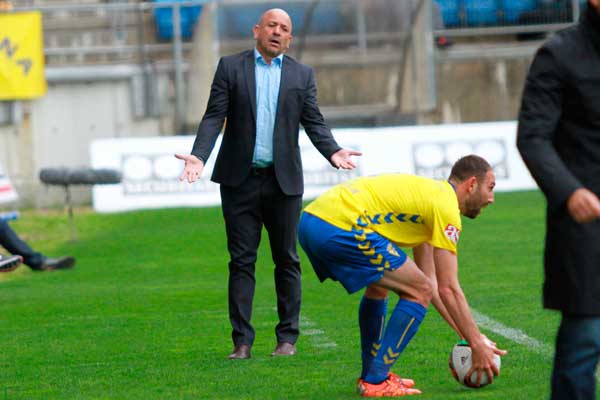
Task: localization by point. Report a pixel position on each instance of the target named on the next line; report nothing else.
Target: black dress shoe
(52, 264)
(240, 352)
(8, 264)
(284, 349)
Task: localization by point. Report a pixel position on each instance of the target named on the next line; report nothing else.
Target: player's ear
(472, 184)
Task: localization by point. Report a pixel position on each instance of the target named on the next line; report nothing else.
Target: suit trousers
(14, 245)
(256, 202)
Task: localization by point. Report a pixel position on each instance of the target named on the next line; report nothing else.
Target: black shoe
(8, 264)
(53, 264)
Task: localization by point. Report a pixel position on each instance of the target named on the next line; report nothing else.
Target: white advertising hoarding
(8, 193)
(151, 172)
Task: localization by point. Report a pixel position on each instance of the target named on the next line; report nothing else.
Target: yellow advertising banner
(21, 56)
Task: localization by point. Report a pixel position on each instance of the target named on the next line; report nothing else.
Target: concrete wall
(476, 90)
(57, 130)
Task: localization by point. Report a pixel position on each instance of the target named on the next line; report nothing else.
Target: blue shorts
(354, 258)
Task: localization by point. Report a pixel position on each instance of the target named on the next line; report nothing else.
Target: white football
(460, 364)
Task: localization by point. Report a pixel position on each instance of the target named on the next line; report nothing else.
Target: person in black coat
(264, 95)
(559, 140)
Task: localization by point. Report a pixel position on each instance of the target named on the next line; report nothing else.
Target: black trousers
(14, 245)
(256, 202)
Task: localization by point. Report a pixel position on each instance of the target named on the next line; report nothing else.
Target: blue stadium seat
(481, 12)
(450, 12)
(514, 8)
(163, 18)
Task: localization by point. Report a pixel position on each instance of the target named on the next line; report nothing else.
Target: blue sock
(371, 319)
(401, 327)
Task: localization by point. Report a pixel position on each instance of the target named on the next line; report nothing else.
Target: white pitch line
(316, 336)
(310, 329)
(312, 332)
(517, 336)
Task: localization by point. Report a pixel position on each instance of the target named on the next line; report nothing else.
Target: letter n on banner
(21, 56)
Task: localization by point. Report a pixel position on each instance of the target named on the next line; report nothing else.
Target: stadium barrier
(151, 172)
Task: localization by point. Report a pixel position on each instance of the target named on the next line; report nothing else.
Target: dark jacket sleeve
(313, 122)
(214, 117)
(539, 118)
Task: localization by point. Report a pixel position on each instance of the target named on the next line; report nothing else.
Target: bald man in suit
(264, 95)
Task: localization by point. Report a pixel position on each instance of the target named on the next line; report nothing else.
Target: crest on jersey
(392, 250)
(452, 233)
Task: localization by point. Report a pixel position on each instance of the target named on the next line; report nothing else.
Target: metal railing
(473, 39)
(125, 33)
(121, 21)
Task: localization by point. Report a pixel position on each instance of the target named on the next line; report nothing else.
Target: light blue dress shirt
(268, 79)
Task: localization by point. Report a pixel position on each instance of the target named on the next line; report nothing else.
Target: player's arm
(423, 255)
(455, 301)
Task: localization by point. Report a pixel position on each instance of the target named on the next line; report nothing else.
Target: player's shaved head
(468, 166)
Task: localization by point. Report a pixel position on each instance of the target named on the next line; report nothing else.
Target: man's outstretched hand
(343, 158)
(192, 169)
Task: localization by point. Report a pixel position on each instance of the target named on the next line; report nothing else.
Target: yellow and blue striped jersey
(408, 210)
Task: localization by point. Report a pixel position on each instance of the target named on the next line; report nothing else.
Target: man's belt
(267, 171)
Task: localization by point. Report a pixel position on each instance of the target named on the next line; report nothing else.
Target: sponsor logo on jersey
(452, 233)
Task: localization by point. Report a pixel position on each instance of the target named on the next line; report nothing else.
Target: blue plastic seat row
(237, 20)
(163, 18)
(487, 12)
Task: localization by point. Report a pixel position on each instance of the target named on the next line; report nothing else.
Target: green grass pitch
(143, 314)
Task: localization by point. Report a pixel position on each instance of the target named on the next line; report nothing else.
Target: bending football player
(353, 234)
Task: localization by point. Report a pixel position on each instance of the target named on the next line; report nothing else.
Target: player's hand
(482, 362)
(492, 345)
(584, 206)
(192, 169)
(342, 158)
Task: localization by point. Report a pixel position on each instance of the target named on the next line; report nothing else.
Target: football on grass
(460, 364)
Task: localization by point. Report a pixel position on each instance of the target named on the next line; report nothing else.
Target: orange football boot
(407, 383)
(387, 388)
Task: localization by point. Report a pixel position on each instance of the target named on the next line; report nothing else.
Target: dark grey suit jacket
(233, 98)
